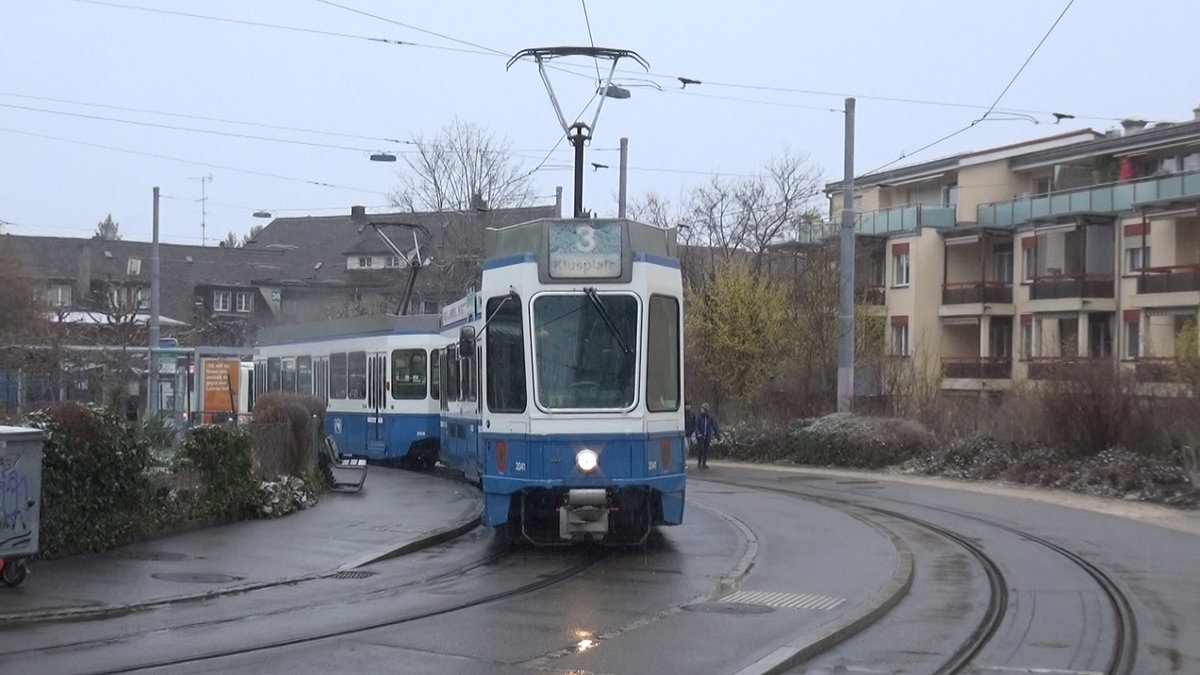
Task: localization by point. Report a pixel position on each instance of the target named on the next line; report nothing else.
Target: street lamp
(262, 214)
(383, 157)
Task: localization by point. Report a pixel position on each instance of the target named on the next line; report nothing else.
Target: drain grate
(195, 578)
(146, 554)
(856, 482)
(784, 600)
(728, 608)
(355, 574)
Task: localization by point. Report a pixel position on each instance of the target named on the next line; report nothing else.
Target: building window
(134, 267)
(365, 262)
(222, 301)
(1137, 259)
(1041, 186)
(900, 267)
(1028, 263)
(1133, 338)
(140, 299)
(395, 261)
(245, 302)
(1027, 340)
(59, 295)
(900, 339)
(1002, 263)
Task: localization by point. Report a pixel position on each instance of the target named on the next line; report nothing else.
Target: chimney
(478, 203)
(83, 273)
(1196, 112)
(1133, 126)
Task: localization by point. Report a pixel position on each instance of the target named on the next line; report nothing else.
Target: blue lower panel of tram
(517, 463)
(387, 436)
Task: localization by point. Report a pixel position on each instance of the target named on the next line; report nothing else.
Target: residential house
(1010, 263)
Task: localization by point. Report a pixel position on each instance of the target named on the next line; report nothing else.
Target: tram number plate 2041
(579, 250)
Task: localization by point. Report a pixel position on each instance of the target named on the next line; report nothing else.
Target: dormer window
(222, 301)
(134, 267)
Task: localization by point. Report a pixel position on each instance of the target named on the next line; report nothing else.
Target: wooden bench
(335, 464)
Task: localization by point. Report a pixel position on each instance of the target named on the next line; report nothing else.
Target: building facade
(1018, 262)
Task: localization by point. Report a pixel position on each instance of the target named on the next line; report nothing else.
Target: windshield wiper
(590, 292)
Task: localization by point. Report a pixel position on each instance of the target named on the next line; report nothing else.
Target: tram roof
(350, 327)
(531, 237)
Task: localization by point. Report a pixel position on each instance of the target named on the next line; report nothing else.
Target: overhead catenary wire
(990, 108)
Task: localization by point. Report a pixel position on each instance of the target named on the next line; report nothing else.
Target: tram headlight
(587, 460)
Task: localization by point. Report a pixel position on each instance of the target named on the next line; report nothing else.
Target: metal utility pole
(624, 177)
(845, 380)
(152, 402)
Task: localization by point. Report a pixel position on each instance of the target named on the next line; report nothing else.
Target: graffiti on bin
(15, 502)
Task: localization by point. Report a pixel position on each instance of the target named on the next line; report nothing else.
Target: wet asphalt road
(476, 606)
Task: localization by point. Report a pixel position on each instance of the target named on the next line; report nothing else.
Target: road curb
(92, 612)
(803, 647)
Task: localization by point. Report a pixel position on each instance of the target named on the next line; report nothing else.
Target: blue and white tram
(563, 381)
(374, 372)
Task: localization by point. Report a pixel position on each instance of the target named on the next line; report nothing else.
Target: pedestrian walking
(706, 430)
(689, 430)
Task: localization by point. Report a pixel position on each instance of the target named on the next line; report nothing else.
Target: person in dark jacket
(689, 430)
(706, 430)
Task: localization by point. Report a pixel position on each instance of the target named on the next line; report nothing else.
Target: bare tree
(462, 161)
(750, 214)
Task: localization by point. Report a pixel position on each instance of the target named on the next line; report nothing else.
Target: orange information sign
(220, 385)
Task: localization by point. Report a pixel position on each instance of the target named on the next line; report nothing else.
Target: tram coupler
(584, 515)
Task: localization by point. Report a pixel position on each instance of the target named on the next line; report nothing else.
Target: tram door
(376, 404)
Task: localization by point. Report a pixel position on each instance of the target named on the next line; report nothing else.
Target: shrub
(285, 427)
(288, 494)
(221, 457)
(95, 491)
(845, 439)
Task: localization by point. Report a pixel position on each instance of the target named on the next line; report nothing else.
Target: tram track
(574, 570)
(1124, 647)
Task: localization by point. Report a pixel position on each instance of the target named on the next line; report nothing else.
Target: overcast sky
(1105, 60)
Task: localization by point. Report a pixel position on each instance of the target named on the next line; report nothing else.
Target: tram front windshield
(585, 351)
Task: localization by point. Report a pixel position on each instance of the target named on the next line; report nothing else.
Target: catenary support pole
(152, 402)
(845, 379)
(624, 178)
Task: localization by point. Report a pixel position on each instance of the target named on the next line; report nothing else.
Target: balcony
(1157, 370)
(1068, 367)
(871, 295)
(989, 368)
(977, 292)
(1109, 198)
(1169, 279)
(885, 221)
(1072, 286)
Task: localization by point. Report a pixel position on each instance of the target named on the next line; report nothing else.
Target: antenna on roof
(203, 205)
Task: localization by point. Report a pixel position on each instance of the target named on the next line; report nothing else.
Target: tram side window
(662, 355)
(409, 374)
(470, 366)
(288, 376)
(505, 356)
(356, 378)
(453, 384)
(304, 375)
(273, 373)
(435, 374)
(337, 375)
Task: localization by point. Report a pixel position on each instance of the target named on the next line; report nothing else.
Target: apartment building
(1012, 263)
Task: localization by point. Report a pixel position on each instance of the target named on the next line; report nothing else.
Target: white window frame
(222, 301)
(1027, 341)
(59, 295)
(1136, 258)
(1133, 339)
(244, 302)
(1002, 266)
(901, 263)
(900, 342)
(133, 267)
(365, 262)
(1028, 263)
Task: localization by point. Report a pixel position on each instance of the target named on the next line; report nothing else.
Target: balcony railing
(885, 221)
(987, 368)
(1072, 286)
(1172, 279)
(1108, 198)
(871, 295)
(1066, 367)
(1157, 370)
(969, 292)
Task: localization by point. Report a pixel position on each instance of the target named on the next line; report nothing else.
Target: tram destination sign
(585, 250)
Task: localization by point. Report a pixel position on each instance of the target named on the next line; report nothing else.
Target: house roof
(181, 268)
(1160, 136)
(320, 239)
